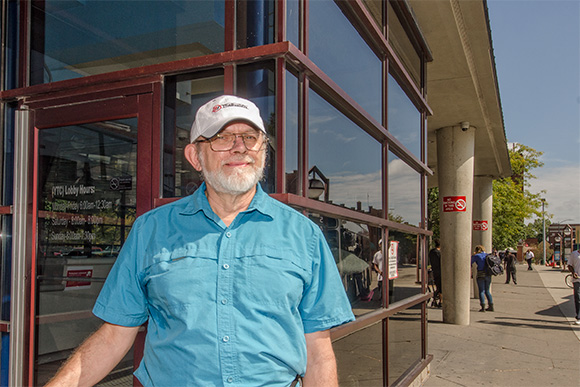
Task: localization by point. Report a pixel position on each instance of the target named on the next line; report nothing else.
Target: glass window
(404, 49)
(404, 120)
(404, 282)
(76, 38)
(375, 7)
(404, 192)
(339, 51)
(404, 341)
(183, 96)
(353, 246)
(292, 175)
(257, 83)
(292, 22)
(86, 208)
(359, 357)
(255, 22)
(344, 160)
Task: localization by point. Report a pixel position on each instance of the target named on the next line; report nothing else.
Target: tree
(513, 203)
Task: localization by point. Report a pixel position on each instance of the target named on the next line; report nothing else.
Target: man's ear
(191, 154)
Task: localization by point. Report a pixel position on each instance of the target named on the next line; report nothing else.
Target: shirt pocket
(181, 281)
(271, 276)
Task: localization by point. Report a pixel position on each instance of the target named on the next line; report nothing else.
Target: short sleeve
(122, 299)
(324, 304)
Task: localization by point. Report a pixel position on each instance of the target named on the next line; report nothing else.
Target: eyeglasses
(224, 142)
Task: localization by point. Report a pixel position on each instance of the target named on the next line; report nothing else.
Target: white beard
(237, 183)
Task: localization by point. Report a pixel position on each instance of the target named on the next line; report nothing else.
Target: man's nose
(239, 145)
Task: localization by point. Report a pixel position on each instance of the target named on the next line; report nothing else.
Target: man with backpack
(510, 267)
(483, 278)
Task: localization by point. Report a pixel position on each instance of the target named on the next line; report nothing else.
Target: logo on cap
(216, 108)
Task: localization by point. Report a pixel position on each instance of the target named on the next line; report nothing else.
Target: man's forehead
(238, 126)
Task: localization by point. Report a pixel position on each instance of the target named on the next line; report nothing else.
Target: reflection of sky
(345, 154)
(404, 191)
(338, 50)
(404, 118)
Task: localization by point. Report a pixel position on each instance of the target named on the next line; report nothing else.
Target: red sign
(480, 225)
(454, 204)
(82, 273)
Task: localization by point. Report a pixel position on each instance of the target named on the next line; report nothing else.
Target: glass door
(87, 178)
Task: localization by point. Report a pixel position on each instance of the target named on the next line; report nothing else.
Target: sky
(537, 54)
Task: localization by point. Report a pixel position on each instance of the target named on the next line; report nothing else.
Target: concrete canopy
(461, 81)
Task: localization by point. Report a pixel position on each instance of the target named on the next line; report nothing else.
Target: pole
(544, 232)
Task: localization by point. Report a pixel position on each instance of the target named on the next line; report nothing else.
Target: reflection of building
(96, 91)
(563, 239)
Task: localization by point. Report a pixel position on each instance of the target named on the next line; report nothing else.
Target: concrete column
(482, 212)
(455, 166)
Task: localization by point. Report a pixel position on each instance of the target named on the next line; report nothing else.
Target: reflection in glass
(360, 358)
(404, 119)
(292, 175)
(404, 341)
(406, 52)
(375, 7)
(353, 166)
(255, 22)
(86, 206)
(353, 246)
(339, 51)
(72, 39)
(183, 96)
(292, 22)
(256, 82)
(404, 192)
(403, 249)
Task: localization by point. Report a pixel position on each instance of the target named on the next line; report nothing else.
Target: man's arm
(96, 357)
(321, 363)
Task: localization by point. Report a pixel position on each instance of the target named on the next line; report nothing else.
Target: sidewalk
(530, 340)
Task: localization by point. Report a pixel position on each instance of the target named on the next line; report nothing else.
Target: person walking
(529, 259)
(378, 265)
(574, 268)
(510, 267)
(435, 262)
(483, 278)
(237, 288)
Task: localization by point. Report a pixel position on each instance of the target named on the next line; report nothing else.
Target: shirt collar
(198, 202)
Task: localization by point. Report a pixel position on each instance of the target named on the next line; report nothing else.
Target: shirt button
(225, 339)
(230, 379)
(229, 234)
(226, 266)
(224, 301)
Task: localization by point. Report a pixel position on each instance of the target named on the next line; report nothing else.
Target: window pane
(404, 119)
(255, 22)
(404, 192)
(292, 175)
(75, 38)
(353, 246)
(360, 358)
(292, 22)
(183, 96)
(404, 341)
(375, 7)
(399, 40)
(403, 249)
(338, 49)
(343, 157)
(257, 83)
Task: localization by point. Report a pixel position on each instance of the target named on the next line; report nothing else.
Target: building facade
(97, 101)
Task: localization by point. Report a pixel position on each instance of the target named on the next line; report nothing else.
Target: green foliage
(433, 212)
(513, 203)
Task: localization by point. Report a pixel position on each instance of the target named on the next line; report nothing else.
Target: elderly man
(237, 289)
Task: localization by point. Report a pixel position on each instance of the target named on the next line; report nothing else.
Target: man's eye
(250, 137)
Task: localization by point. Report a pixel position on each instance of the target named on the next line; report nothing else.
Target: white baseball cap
(217, 113)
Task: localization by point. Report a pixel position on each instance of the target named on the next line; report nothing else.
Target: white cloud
(562, 186)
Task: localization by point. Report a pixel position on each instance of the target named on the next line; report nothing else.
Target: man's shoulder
(283, 212)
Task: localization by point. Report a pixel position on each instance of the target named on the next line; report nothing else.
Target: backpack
(493, 265)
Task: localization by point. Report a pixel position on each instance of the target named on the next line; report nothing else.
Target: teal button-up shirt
(225, 306)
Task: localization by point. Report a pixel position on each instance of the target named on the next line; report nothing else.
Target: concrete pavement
(530, 340)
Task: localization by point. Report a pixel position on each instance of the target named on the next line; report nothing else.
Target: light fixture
(315, 188)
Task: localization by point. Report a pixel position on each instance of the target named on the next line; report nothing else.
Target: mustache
(239, 159)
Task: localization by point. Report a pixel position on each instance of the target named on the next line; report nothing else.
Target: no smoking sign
(454, 204)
